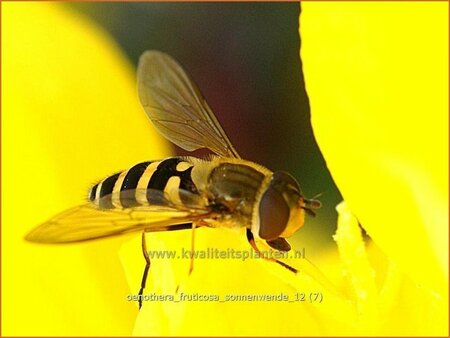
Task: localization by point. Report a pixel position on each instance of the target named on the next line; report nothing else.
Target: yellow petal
(385, 300)
(70, 116)
(225, 280)
(377, 79)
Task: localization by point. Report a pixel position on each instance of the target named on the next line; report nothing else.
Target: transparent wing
(177, 108)
(86, 222)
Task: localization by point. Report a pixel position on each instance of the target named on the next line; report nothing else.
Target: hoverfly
(184, 192)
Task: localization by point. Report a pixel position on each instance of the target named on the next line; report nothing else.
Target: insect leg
(198, 223)
(251, 240)
(183, 226)
(147, 266)
(195, 224)
(191, 265)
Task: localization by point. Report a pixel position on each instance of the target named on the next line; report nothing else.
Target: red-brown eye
(273, 214)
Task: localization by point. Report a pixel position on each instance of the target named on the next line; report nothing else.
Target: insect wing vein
(87, 222)
(168, 95)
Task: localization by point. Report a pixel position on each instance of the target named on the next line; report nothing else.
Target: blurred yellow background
(70, 116)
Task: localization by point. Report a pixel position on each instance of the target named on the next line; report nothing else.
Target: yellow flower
(377, 80)
(70, 116)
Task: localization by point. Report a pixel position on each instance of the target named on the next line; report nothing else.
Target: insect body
(232, 192)
(184, 192)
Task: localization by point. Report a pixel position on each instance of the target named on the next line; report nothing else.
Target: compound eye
(273, 214)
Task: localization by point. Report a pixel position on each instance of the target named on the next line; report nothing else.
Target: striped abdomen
(133, 187)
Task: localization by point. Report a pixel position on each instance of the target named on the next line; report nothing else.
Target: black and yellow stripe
(136, 186)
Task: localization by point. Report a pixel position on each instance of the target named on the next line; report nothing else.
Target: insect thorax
(231, 187)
